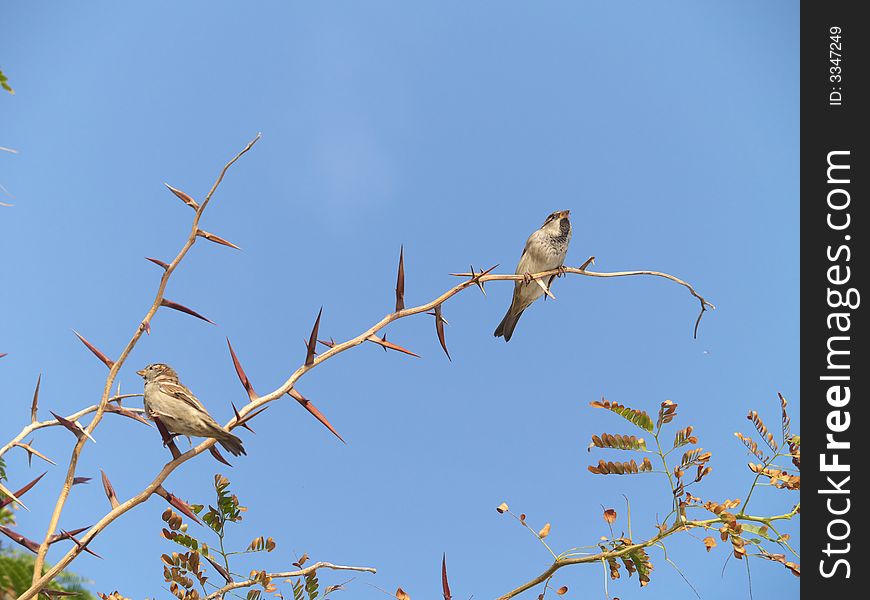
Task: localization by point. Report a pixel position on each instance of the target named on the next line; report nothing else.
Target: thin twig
(300, 573)
(624, 550)
(31, 427)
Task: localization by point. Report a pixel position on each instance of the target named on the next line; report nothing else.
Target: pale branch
(475, 279)
(582, 271)
(114, 368)
(30, 428)
(235, 585)
(288, 386)
(625, 550)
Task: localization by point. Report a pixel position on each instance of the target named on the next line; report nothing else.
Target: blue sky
(670, 130)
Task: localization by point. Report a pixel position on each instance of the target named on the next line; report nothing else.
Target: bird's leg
(527, 278)
(562, 270)
(169, 439)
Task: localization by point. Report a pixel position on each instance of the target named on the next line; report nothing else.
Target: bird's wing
(180, 392)
(526, 257)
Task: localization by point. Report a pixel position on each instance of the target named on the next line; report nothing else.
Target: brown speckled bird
(178, 409)
(545, 250)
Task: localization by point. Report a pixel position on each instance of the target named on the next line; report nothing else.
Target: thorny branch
(604, 556)
(114, 368)
(256, 402)
(28, 429)
(219, 593)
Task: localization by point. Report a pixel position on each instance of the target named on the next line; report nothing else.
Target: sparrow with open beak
(178, 409)
(545, 250)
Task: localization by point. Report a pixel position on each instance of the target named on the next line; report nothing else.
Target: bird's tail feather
(506, 327)
(231, 443)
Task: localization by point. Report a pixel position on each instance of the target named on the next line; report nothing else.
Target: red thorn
(218, 456)
(312, 341)
(389, 345)
(77, 430)
(306, 403)
(445, 587)
(120, 410)
(21, 492)
(106, 360)
(177, 502)
(20, 539)
(184, 309)
(216, 239)
(34, 405)
(167, 438)
(246, 383)
(184, 197)
(439, 329)
(239, 421)
(69, 536)
(400, 281)
(218, 568)
(60, 536)
(158, 262)
(110, 491)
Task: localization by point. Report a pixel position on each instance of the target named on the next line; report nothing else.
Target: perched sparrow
(545, 250)
(179, 410)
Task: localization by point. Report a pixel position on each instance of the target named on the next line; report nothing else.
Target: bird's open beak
(141, 372)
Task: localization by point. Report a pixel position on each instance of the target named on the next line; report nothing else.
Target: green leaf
(637, 417)
(4, 83)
